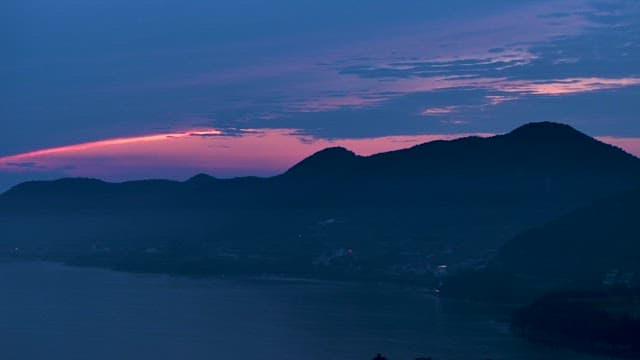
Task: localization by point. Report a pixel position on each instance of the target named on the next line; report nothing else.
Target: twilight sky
(128, 89)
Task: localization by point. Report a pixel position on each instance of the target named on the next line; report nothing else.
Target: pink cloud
(499, 99)
(534, 87)
(566, 86)
(110, 143)
(372, 92)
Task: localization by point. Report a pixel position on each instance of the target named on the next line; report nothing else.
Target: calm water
(49, 311)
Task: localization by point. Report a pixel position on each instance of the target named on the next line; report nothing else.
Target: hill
(594, 247)
(605, 322)
(598, 243)
(398, 214)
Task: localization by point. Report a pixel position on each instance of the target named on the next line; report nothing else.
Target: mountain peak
(335, 151)
(327, 161)
(546, 130)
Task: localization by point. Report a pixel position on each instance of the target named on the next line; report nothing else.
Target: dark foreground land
(604, 322)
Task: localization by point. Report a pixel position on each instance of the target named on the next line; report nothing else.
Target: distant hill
(396, 214)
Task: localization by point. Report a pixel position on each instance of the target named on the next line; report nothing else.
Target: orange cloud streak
(105, 143)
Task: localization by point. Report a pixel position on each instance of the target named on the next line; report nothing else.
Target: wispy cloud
(88, 147)
(566, 86)
(498, 55)
(379, 92)
(22, 165)
(435, 111)
(499, 99)
(336, 102)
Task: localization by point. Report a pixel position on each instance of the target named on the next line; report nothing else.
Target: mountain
(603, 322)
(396, 214)
(598, 244)
(594, 247)
(328, 162)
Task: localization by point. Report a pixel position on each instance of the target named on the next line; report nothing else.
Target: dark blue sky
(82, 71)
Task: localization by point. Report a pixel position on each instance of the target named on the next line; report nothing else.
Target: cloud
(109, 143)
(214, 132)
(435, 111)
(23, 165)
(336, 102)
(566, 86)
(499, 99)
(573, 57)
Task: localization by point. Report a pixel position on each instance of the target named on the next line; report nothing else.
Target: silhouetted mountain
(603, 322)
(330, 161)
(596, 246)
(542, 146)
(400, 213)
(599, 243)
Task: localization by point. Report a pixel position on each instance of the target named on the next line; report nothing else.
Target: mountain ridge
(341, 159)
(592, 247)
(403, 212)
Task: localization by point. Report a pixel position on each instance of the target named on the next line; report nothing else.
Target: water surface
(51, 311)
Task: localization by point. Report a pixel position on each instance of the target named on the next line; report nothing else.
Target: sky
(133, 89)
